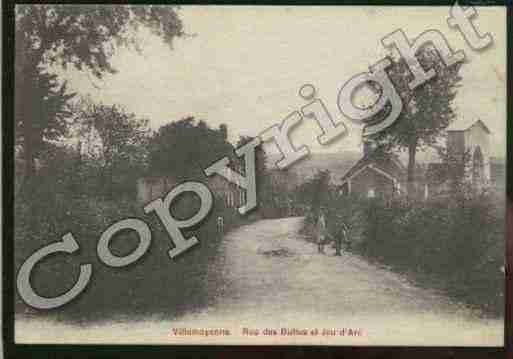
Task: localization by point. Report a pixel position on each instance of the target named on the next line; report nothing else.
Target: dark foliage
(454, 245)
(184, 148)
(82, 36)
(154, 286)
(451, 244)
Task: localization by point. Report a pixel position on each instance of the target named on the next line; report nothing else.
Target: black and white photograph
(259, 175)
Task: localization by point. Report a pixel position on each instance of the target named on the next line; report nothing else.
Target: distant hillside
(337, 163)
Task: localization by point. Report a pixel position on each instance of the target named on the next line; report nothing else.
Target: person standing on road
(342, 235)
(220, 225)
(321, 232)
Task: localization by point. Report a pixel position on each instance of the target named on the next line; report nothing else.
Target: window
(371, 193)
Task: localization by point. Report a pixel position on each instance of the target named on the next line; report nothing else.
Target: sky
(244, 65)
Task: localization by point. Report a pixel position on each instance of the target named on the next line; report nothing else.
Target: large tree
(116, 139)
(184, 148)
(83, 36)
(427, 109)
(41, 114)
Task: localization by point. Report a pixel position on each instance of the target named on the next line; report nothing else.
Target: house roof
(337, 163)
(387, 163)
(466, 123)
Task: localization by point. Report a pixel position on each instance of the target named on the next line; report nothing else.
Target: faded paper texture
(356, 210)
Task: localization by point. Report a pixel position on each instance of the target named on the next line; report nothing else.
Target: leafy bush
(79, 193)
(154, 285)
(455, 245)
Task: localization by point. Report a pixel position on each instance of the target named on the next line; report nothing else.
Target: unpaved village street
(275, 279)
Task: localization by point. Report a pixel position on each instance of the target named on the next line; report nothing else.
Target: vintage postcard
(260, 175)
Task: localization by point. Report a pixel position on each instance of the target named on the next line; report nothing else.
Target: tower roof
(465, 124)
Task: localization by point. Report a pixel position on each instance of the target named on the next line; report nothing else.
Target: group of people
(323, 237)
(321, 231)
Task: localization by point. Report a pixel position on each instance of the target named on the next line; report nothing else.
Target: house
(384, 175)
(375, 174)
(282, 180)
(307, 168)
(150, 188)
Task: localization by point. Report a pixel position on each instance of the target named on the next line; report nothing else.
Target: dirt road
(275, 279)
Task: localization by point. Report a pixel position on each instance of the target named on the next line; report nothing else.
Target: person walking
(321, 232)
(341, 236)
(220, 225)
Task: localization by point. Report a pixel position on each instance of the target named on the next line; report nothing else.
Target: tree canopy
(184, 148)
(86, 36)
(115, 139)
(83, 36)
(427, 109)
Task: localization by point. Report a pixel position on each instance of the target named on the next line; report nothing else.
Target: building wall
(459, 142)
(283, 180)
(477, 136)
(369, 179)
(231, 194)
(150, 188)
(456, 143)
